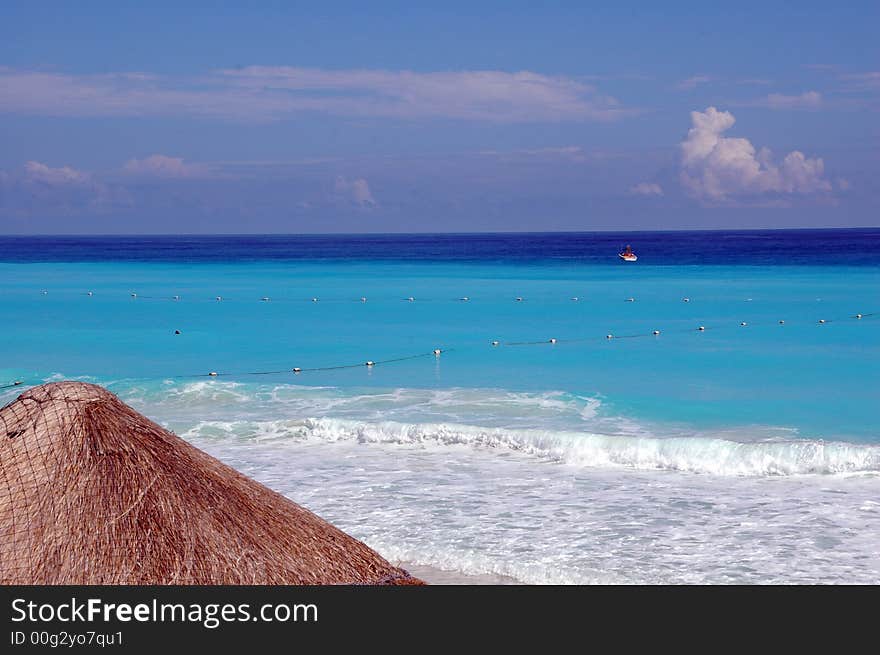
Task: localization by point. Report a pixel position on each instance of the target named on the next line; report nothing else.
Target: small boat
(627, 255)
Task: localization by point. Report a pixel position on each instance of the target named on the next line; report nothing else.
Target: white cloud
(716, 167)
(693, 82)
(63, 190)
(355, 191)
(646, 189)
(259, 93)
(63, 176)
(163, 166)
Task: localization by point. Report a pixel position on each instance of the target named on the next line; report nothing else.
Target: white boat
(628, 255)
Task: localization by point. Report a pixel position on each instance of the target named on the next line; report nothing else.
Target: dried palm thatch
(91, 492)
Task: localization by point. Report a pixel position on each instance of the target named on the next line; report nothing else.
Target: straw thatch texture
(91, 492)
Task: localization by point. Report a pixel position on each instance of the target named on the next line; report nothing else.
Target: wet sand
(436, 576)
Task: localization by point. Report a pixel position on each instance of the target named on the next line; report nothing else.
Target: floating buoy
(177, 332)
(369, 363)
(264, 299)
(782, 322)
(464, 299)
(630, 299)
(219, 298)
(656, 332)
(297, 369)
(314, 300)
(743, 324)
(701, 329)
(411, 299)
(575, 298)
(685, 299)
(553, 340)
(495, 343)
(858, 315)
(518, 299)
(821, 320)
(89, 293)
(609, 336)
(213, 374)
(363, 299)
(176, 297)
(134, 295)
(437, 352)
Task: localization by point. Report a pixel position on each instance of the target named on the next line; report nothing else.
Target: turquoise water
(816, 379)
(549, 462)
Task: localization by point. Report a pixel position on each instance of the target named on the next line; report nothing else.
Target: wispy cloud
(868, 81)
(822, 68)
(755, 81)
(717, 168)
(260, 93)
(806, 100)
(809, 100)
(693, 82)
(646, 189)
(165, 167)
(569, 153)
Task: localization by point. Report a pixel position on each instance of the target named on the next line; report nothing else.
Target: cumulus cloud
(717, 168)
(271, 93)
(646, 189)
(693, 82)
(37, 188)
(355, 191)
(63, 176)
(163, 166)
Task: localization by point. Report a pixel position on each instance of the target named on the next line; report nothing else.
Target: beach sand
(435, 576)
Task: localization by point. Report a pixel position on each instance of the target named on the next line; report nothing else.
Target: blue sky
(385, 117)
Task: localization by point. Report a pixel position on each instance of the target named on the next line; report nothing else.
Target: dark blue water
(851, 247)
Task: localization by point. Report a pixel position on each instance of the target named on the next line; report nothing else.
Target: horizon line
(449, 233)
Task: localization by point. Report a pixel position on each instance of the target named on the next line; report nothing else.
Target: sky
(136, 118)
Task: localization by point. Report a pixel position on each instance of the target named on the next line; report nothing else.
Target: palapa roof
(91, 492)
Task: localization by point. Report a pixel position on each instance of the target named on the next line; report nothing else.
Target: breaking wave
(695, 454)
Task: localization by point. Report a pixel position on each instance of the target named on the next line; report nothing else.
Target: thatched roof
(91, 492)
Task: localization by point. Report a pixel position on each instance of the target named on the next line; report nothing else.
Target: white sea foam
(546, 487)
(706, 455)
(481, 511)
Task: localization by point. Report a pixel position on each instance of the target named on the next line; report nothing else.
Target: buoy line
(436, 352)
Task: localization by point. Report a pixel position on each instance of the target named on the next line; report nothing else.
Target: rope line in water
(495, 343)
(315, 300)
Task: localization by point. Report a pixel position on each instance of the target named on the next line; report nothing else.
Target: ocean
(531, 446)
